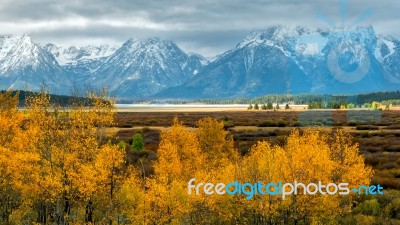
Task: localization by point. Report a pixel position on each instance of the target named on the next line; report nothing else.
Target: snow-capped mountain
(25, 64)
(388, 54)
(277, 60)
(80, 63)
(73, 55)
(299, 60)
(141, 68)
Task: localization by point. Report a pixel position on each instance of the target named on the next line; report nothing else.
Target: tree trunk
(89, 211)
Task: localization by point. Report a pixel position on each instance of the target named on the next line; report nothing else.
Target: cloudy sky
(208, 27)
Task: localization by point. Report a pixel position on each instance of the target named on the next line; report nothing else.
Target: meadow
(376, 132)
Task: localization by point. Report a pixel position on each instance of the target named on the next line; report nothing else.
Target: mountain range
(278, 60)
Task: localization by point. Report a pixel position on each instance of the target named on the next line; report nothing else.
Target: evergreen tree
(256, 106)
(137, 142)
(264, 107)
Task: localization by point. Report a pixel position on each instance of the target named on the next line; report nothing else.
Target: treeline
(325, 100)
(60, 100)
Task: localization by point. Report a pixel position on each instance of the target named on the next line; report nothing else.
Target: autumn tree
(59, 166)
(307, 157)
(215, 142)
(68, 144)
(217, 146)
(179, 159)
(17, 158)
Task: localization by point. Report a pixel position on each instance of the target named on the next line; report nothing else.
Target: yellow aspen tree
(309, 161)
(221, 157)
(69, 141)
(132, 199)
(214, 141)
(267, 164)
(17, 160)
(179, 160)
(318, 156)
(109, 164)
(310, 156)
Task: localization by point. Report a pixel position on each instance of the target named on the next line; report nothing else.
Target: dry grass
(377, 132)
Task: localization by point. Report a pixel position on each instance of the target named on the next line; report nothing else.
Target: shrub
(366, 127)
(267, 123)
(368, 207)
(282, 123)
(228, 124)
(137, 142)
(122, 145)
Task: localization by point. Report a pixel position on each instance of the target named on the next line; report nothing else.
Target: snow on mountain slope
(276, 60)
(74, 55)
(17, 52)
(144, 67)
(282, 60)
(24, 63)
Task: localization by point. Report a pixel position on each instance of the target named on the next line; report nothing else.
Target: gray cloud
(208, 26)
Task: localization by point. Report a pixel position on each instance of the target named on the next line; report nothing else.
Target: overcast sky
(208, 27)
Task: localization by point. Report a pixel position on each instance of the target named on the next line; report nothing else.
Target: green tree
(264, 107)
(287, 106)
(122, 145)
(351, 106)
(256, 107)
(269, 105)
(137, 142)
(277, 106)
(376, 105)
(250, 107)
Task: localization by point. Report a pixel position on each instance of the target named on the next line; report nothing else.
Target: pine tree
(137, 142)
(256, 106)
(264, 107)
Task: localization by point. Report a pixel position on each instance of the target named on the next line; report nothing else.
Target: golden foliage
(58, 166)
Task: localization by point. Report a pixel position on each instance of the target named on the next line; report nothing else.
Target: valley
(379, 140)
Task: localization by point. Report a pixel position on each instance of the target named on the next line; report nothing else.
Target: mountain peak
(23, 37)
(72, 54)
(273, 35)
(17, 45)
(15, 40)
(146, 42)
